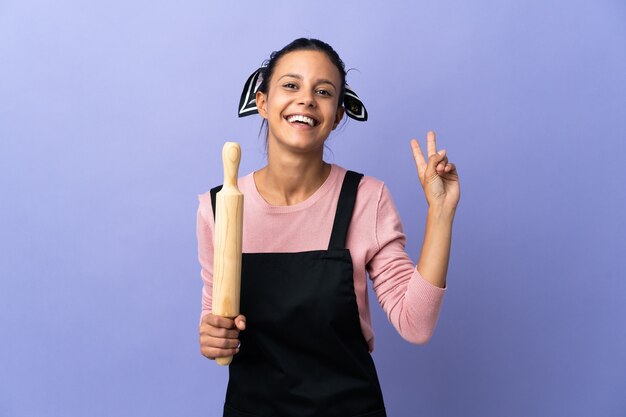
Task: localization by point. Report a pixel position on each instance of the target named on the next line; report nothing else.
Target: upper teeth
(300, 118)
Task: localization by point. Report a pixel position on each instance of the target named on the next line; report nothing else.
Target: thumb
(434, 159)
(240, 322)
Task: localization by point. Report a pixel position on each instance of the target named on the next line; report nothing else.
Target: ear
(338, 116)
(261, 103)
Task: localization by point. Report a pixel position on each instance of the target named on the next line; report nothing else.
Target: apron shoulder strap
(345, 206)
(214, 192)
(343, 215)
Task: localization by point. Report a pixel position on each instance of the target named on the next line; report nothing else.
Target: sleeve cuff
(423, 291)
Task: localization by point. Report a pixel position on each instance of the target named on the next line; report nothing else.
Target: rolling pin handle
(231, 155)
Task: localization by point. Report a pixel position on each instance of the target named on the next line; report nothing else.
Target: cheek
(275, 105)
(334, 113)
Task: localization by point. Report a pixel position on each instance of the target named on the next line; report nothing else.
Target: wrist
(441, 212)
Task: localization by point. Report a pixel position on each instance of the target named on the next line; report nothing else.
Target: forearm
(205, 257)
(435, 254)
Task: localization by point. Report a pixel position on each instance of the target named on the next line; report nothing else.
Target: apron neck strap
(343, 215)
(345, 206)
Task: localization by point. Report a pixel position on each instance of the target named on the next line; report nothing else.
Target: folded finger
(219, 332)
(218, 321)
(450, 168)
(214, 353)
(219, 342)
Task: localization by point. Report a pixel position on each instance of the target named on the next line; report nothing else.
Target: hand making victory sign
(440, 182)
(438, 177)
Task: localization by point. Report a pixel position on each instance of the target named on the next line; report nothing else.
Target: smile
(300, 118)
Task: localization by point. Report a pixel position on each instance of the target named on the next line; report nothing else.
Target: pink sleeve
(411, 303)
(204, 234)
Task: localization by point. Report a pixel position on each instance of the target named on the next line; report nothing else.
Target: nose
(307, 98)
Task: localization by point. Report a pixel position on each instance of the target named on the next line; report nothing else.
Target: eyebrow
(299, 77)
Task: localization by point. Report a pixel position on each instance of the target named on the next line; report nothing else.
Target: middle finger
(219, 332)
(431, 143)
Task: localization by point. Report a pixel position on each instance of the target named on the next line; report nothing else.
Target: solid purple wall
(112, 117)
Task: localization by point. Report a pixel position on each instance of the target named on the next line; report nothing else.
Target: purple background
(112, 118)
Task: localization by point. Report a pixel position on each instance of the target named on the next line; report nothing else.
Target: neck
(289, 179)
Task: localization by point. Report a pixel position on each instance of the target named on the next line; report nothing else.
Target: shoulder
(369, 185)
(371, 192)
(205, 210)
(374, 200)
(205, 205)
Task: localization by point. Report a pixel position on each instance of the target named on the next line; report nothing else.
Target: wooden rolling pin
(227, 240)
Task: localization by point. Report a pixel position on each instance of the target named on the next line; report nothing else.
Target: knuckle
(215, 331)
(231, 334)
(212, 320)
(220, 332)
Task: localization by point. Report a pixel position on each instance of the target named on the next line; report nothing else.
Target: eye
(290, 85)
(323, 92)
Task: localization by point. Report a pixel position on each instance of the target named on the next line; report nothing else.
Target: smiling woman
(315, 232)
(301, 104)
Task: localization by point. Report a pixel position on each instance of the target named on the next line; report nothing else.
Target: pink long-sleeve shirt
(375, 239)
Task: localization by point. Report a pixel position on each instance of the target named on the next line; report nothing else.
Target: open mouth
(301, 119)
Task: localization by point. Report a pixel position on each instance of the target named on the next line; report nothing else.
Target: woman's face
(301, 106)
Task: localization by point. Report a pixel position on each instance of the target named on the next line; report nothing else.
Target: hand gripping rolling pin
(227, 240)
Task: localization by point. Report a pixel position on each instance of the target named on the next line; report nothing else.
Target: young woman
(312, 233)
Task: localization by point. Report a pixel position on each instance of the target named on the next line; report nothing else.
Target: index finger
(218, 321)
(418, 155)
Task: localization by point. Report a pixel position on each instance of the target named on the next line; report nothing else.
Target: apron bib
(303, 353)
